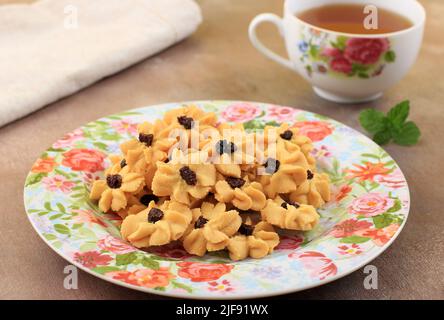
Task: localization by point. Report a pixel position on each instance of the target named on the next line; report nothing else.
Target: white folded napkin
(53, 48)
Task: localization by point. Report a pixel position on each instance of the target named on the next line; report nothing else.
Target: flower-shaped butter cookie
(283, 174)
(185, 122)
(243, 194)
(289, 215)
(212, 229)
(314, 191)
(288, 138)
(112, 192)
(253, 241)
(156, 225)
(184, 177)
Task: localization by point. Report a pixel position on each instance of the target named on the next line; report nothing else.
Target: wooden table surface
(218, 62)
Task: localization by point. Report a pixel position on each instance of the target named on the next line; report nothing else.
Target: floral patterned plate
(369, 207)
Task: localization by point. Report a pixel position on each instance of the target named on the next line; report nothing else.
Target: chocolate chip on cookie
(147, 198)
(310, 175)
(246, 229)
(186, 122)
(114, 181)
(147, 139)
(188, 175)
(223, 146)
(271, 165)
(286, 135)
(155, 215)
(200, 222)
(235, 182)
(291, 203)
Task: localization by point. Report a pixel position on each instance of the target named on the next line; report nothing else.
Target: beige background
(218, 62)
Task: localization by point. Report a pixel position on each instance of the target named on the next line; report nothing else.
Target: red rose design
(84, 160)
(342, 65)
(365, 51)
(315, 130)
(92, 259)
(43, 165)
(203, 272)
(144, 277)
(349, 227)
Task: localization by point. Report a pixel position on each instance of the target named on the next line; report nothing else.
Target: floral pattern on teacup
(344, 56)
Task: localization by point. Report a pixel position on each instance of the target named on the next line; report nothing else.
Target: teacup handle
(277, 21)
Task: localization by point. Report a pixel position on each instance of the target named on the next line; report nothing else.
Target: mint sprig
(391, 127)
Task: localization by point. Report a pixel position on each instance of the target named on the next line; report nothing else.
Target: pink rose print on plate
(125, 126)
(371, 204)
(315, 130)
(58, 183)
(241, 112)
(349, 227)
(393, 180)
(318, 265)
(365, 50)
(88, 160)
(281, 114)
(69, 139)
(114, 245)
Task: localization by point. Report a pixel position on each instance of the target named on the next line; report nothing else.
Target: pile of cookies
(212, 193)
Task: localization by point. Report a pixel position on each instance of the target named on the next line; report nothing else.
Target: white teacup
(386, 58)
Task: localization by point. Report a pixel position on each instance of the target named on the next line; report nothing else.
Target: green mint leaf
(399, 113)
(372, 120)
(382, 137)
(407, 135)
